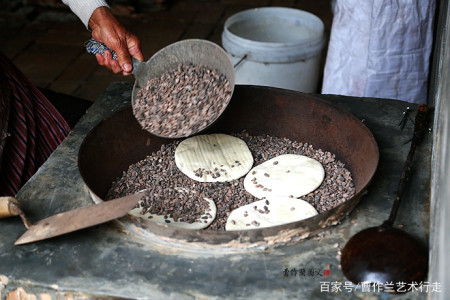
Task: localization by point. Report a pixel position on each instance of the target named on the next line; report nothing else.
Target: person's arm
(107, 29)
(84, 8)
(96, 16)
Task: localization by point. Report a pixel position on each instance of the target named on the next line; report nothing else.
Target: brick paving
(46, 43)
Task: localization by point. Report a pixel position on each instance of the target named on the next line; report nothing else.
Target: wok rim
(252, 236)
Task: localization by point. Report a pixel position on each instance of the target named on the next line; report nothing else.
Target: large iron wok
(118, 141)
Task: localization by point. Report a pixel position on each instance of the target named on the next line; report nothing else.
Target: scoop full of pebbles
(182, 101)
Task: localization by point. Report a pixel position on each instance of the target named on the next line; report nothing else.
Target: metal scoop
(191, 51)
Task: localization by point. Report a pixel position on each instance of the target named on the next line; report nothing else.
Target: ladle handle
(93, 46)
(420, 128)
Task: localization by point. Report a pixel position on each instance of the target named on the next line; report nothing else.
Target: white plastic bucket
(282, 47)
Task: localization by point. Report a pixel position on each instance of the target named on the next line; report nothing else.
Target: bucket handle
(240, 61)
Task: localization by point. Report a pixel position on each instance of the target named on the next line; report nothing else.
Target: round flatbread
(268, 213)
(204, 221)
(287, 175)
(213, 158)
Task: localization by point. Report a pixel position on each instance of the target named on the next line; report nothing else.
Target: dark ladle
(383, 254)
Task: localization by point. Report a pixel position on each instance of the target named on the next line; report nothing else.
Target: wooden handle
(7, 207)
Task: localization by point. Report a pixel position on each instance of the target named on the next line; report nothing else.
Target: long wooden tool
(79, 218)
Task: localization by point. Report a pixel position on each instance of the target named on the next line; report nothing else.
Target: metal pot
(118, 142)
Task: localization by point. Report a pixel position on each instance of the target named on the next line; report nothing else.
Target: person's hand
(108, 30)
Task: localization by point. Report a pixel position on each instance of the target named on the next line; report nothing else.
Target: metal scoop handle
(93, 46)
